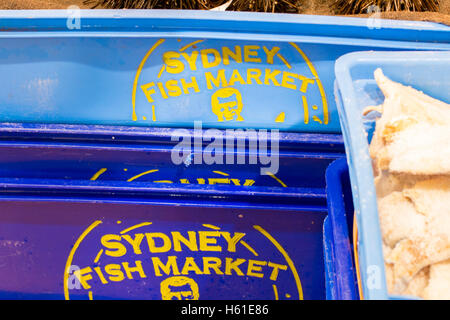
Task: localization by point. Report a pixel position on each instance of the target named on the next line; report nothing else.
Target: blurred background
(424, 10)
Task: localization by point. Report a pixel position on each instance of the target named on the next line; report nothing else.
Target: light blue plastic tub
(165, 68)
(355, 88)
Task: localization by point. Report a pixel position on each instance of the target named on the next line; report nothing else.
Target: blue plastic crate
(172, 68)
(341, 280)
(55, 216)
(122, 68)
(162, 243)
(146, 155)
(356, 89)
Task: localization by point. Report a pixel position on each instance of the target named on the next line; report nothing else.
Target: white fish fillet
(439, 282)
(418, 284)
(412, 134)
(410, 152)
(405, 223)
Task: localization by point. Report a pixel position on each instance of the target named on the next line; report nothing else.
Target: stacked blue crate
(95, 206)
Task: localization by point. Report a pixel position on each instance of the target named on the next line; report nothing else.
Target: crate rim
(224, 25)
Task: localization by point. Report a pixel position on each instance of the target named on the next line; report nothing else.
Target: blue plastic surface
(341, 282)
(356, 89)
(328, 256)
(169, 69)
(55, 216)
(301, 159)
(159, 244)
